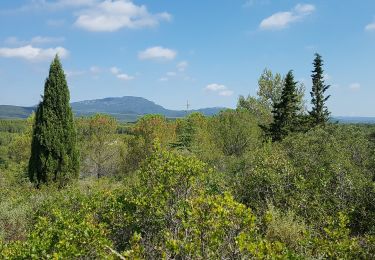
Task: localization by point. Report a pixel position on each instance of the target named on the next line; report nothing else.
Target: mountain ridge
(126, 108)
(130, 108)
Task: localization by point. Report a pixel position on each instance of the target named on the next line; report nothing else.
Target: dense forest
(270, 179)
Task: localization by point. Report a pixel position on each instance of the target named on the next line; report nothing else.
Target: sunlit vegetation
(266, 180)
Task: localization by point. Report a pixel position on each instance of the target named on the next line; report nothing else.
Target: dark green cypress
(285, 118)
(54, 154)
(319, 114)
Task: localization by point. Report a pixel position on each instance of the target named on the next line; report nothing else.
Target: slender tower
(187, 107)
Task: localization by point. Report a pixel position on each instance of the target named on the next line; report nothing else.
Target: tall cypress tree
(54, 155)
(319, 114)
(285, 118)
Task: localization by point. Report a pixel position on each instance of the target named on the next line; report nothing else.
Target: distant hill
(354, 120)
(126, 108)
(130, 108)
(15, 112)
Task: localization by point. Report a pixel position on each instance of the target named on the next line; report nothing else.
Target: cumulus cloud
(28, 52)
(157, 53)
(215, 87)
(220, 89)
(281, 20)
(370, 27)
(355, 86)
(109, 16)
(123, 76)
(182, 66)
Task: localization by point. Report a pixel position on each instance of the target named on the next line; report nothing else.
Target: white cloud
(220, 89)
(226, 93)
(157, 53)
(370, 27)
(215, 87)
(277, 21)
(109, 16)
(117, 72)
(304, 9)
(37, 40)
(55, 5)
(124, 76)
(182, 66)
(281, 20)
(31, 53)
(114, 70)
(46, 40)
(74, 73)
(355, 86)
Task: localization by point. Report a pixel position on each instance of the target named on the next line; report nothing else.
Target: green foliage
(336, 242)
(211, 228)
(285, 111)
(333, 177)
(19, 148)
(13, 126)
(270, 88)
(319, 113)
(138, 145)
(132, 153)
(166, 181)
(286, 227)
(259, 109)
(263, 175)
(99, 145)
(185, 133)
(269, 94)
(65, 226)
(235, 131)
(54, 155)
(152, 127)
(196, 188)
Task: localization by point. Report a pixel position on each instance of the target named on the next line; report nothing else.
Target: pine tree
(54, 155)
(285, 112)
(319, 114)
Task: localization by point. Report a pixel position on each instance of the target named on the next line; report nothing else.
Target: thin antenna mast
(187, 107)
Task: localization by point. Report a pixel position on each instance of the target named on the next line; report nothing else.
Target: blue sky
(206, 51)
